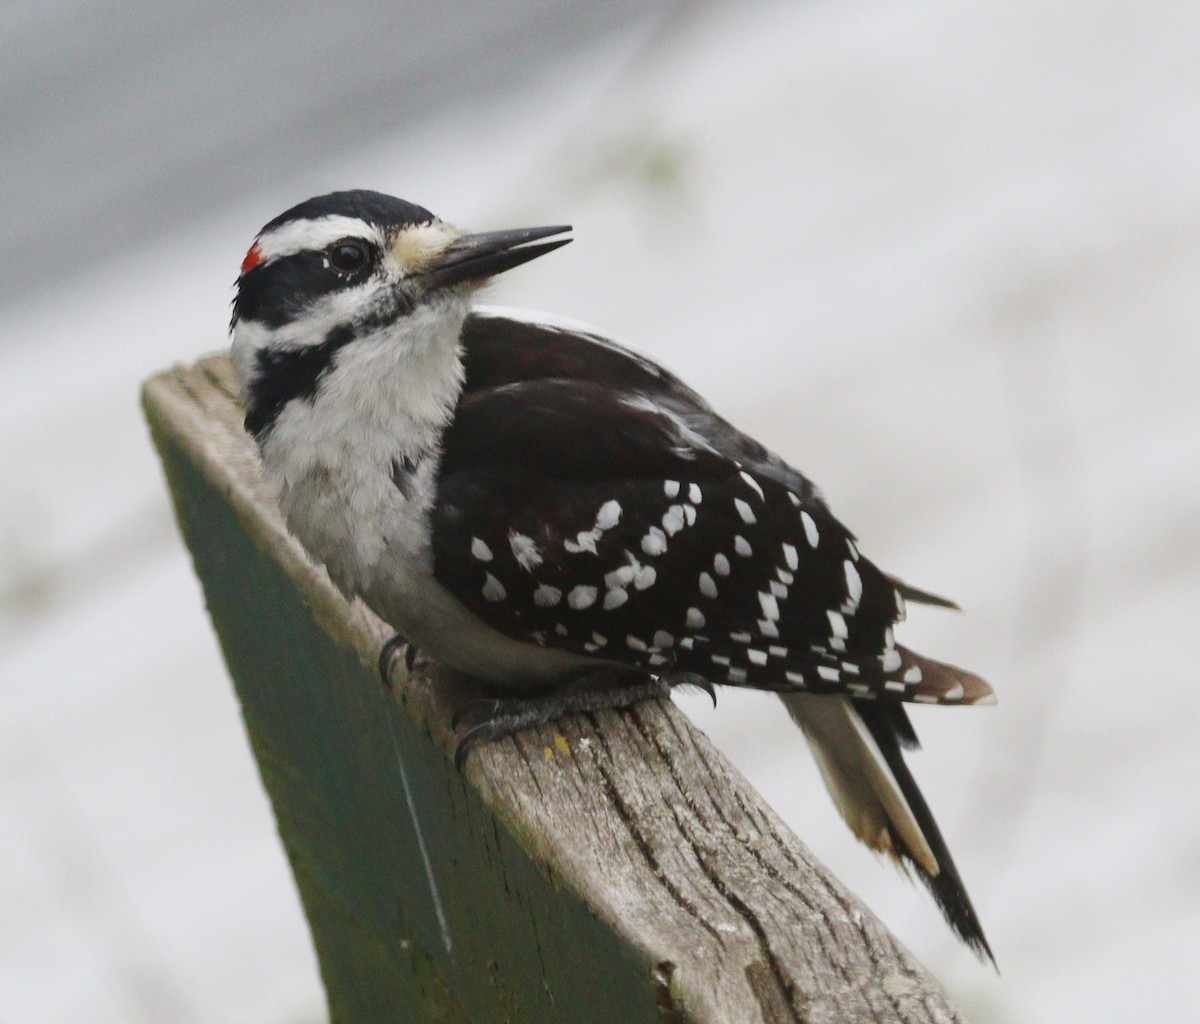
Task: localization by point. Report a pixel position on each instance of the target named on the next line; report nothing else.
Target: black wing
(590, 501)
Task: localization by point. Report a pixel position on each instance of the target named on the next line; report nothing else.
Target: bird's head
(352, 267)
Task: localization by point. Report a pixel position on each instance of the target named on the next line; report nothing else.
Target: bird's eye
(348, 255)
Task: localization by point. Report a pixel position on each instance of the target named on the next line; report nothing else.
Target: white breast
(387, 399)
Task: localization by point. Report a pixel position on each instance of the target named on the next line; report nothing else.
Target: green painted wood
(347, 769)
(609, 868)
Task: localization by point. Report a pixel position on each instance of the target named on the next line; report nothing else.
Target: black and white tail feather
(532, 504)
(858, 746)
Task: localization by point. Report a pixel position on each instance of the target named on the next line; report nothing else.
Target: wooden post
(611, 868)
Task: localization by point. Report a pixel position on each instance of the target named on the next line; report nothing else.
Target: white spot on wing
(525, 551)
(582, 597)
(615, 598)
(890, 660)
(810, 529)
(584, 541)
(480, 550)
(753, 483)
(694, 494)
(662, 640)
(546, 596)
(655, 542)
(721, 565)
(609, 515)
(756, 657)
(913, 675)
(672, 520)
(619, 577)
(745, 511)
(770, 607)
(853, 584)
(606, 518)
(493, 589)
(791, 556)
(671, 488)
(708, 586)
(644, 577)
(828, 673)
(742, 546)
(838, 625)
(695, 618)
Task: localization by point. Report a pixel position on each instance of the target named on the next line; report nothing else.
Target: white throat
(387, 395)
(355, 466)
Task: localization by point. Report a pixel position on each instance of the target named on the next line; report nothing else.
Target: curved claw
(474, 737)
(693, 679)
(386, 654)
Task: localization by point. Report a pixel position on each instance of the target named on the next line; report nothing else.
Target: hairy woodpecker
(540, 508)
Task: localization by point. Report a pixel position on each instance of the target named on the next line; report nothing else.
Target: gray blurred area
(941, 256)
(123, 122)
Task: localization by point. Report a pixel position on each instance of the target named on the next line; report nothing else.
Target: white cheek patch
(416, 247)
(327, 312)
(301, 235)
(252, 336)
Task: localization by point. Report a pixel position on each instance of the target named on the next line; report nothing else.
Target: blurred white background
(942, 256)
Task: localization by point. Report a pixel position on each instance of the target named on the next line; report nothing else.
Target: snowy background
(944, 257)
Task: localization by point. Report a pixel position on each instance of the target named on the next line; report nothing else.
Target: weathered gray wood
(611, 868)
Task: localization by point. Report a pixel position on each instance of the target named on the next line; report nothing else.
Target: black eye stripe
(285, 288)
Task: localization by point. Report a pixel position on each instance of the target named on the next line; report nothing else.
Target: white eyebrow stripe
(301, 235)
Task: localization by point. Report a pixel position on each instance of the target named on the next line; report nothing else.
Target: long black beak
(476, 257)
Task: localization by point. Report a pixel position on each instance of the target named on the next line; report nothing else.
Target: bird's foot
(389, 652)
(494, 718)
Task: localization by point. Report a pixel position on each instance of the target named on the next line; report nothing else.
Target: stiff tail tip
(857, 745)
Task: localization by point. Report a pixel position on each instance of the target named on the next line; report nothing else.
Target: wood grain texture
(611, 867)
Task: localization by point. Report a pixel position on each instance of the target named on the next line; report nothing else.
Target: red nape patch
(253, 258)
